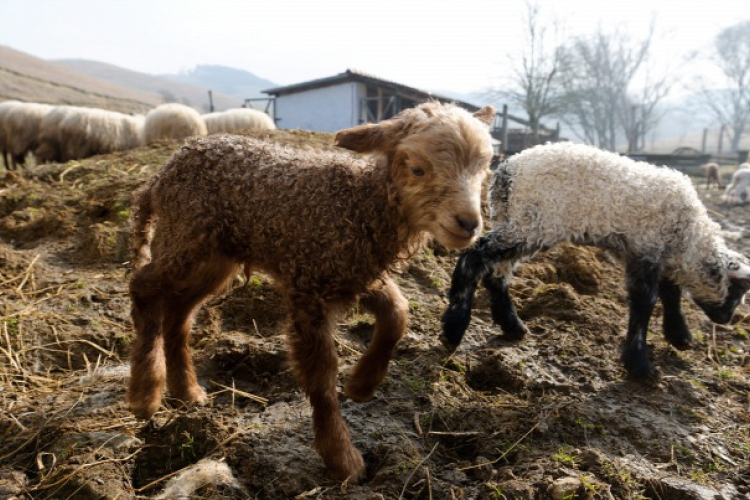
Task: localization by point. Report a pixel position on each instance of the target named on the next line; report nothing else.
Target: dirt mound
(552, 416)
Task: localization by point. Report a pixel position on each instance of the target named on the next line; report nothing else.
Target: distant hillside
(28, 78)
(167, 90)
(236, 82)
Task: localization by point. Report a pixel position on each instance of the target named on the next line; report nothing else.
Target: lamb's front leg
(470, 268)
(676, 330)
(315, 364)
(390, 309)
(643, 291)
(473, 265)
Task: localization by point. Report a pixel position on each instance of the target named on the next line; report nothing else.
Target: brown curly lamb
(325, 225)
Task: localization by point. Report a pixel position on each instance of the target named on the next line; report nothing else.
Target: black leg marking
(472, 266)
(503, 310)
(643, 290)
(469, 270)
(676, 331)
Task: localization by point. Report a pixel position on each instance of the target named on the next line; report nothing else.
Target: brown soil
(552, 416)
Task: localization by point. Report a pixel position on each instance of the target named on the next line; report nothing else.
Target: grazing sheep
(172, 121)
(6, 107)
(237, 120)
(23, 130)
(71, 133)
(713, 175)
(326, 226)
(51, 144)
(737, 190)
(651, 217)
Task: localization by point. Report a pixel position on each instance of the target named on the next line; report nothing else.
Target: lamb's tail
(142, 227)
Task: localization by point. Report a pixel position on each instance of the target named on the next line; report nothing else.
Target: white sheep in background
(6, 107)
(172, 121)
(649, 216)
(50, 142)
(23, 128)
(69, 133)
(237, 120)
(737, 190)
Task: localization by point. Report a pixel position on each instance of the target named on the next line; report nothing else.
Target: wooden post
(379, 116)
(703, 143)
(633, 142)
(504, 130)
(556, 138)
(210, 102)
(721, 139)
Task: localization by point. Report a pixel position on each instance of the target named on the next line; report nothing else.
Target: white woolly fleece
(570, 192)
(738, 186)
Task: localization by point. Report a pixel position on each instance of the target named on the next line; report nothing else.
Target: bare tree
(533, 82)
(641, 110)
(728, 99)
(597, 74)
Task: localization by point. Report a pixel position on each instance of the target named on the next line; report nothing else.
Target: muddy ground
(550, 417)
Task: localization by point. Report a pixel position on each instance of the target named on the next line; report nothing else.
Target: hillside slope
(28, 78)
(166, 89)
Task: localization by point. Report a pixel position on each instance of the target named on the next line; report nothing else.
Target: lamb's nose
(469, 225)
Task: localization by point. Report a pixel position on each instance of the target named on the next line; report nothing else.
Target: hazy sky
(429, 44)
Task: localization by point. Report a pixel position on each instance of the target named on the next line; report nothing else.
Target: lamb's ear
(371, 137)
(739, 272)
(486, 115)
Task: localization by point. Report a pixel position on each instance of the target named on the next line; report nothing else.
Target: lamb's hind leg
(147, 366)
(315, 365)
(675, 327)
(391, 311)
(207, 277)
(643, 290)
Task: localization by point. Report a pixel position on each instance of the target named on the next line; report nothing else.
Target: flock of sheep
(64, 133)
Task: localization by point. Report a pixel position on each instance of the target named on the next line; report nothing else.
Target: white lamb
(649, 216)
(236, 120)
(737, 190)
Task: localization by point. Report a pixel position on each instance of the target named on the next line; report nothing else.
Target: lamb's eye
(418, 172)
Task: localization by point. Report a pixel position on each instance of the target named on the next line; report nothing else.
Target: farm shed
(344, 100)
(353, 97)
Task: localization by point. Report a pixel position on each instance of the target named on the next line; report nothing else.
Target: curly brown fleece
(325, 225)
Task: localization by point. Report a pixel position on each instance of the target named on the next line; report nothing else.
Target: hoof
(349, 467)
(359, 391)
(449, 344)
(192, 397)
(516, 333)
(681, 343)
(144, 411)
(641, 371)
